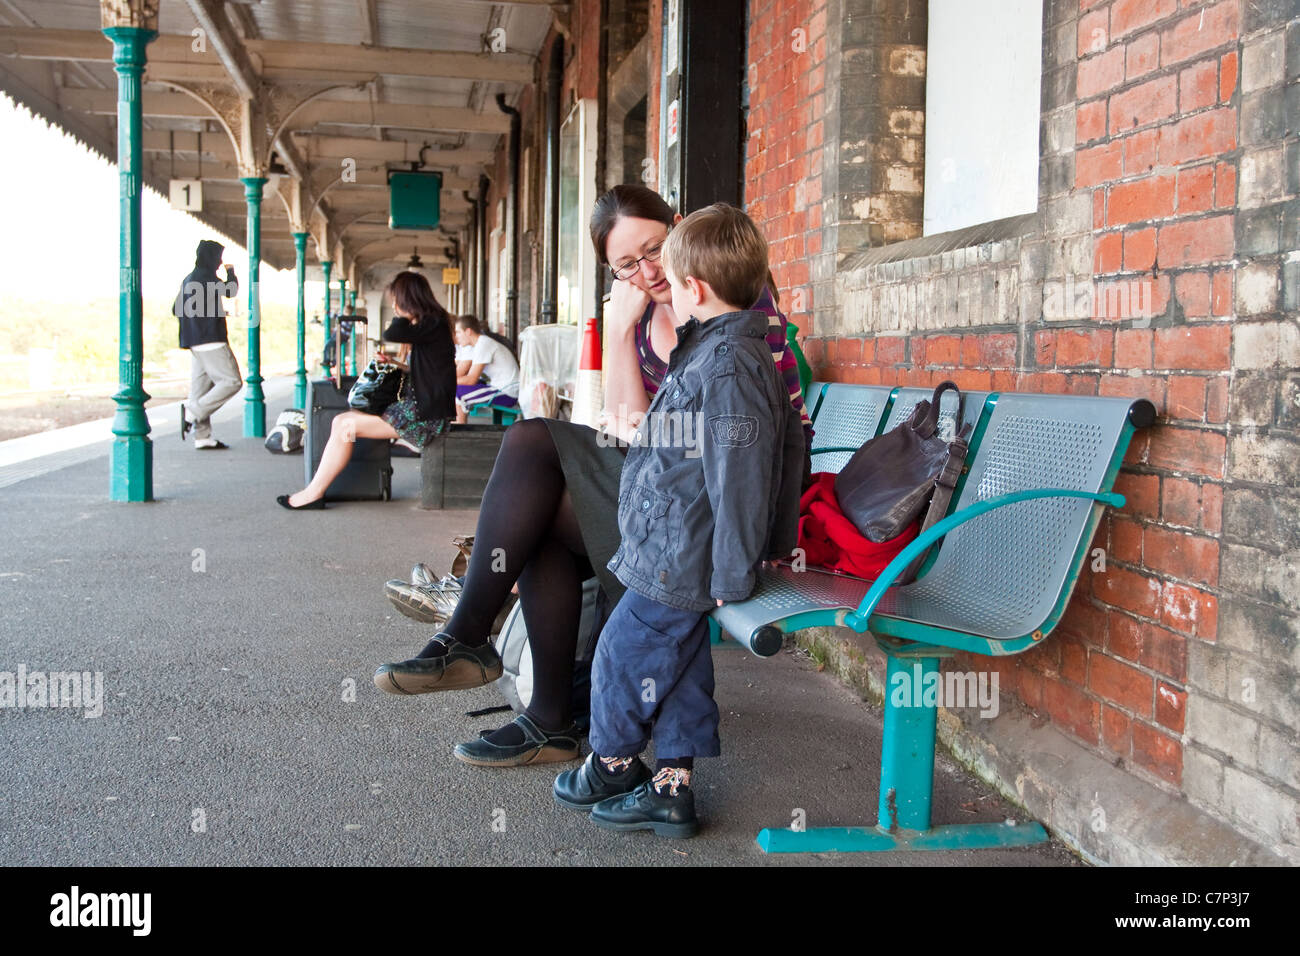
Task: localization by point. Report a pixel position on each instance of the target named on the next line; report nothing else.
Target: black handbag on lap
(893, 478)
(376, 388)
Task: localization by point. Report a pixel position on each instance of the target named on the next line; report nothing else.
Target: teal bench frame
(499, 415)
(908, 741)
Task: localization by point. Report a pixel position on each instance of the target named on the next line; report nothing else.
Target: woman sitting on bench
(550, 509)
(425, 408)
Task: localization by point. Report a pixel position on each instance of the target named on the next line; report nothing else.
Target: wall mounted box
(413, 200)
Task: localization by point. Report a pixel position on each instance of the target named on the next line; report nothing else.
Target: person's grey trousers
(214, 380)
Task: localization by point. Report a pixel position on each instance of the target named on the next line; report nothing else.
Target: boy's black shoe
(583, 788)
(645, 809)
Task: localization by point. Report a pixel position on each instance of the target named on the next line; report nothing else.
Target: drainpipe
(551, 219)
(469, 278)
(512, 207)
(480, 241)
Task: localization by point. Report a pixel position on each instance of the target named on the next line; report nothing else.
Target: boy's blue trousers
(653, 677)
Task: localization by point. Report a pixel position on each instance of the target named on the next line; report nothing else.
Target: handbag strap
(945, 483)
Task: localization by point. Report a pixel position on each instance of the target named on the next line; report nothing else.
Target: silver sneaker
(434, 603)
(422, 574)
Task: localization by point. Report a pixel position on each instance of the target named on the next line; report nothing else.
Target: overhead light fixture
(414, 262)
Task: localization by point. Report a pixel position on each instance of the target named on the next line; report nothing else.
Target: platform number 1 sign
(187, 195)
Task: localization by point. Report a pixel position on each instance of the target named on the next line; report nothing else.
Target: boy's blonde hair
(720, 245)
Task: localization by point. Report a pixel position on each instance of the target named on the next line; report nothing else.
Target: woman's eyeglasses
(629, 269)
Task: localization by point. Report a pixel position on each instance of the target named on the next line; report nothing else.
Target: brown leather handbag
(896, 477)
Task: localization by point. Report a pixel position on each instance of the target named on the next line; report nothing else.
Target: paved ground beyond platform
(229, 632)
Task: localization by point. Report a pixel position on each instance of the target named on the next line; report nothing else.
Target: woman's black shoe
(539, 746)
(317, 505)
(583, 788)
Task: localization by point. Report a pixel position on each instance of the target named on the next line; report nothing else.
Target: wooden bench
(1040, 470)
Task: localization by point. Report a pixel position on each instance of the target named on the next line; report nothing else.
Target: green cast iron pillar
(352, 308)
(300, 376)
(326, 267)
(131, 459)
(254, 398)
(343, 308)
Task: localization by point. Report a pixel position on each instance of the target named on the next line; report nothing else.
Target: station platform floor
(239, 724)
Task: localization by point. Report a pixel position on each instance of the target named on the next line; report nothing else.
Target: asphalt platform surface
(240, 726)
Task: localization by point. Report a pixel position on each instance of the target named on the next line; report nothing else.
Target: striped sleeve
(784, 358)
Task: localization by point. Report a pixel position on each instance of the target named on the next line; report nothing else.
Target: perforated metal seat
(905, 399)
(1002, 576)
(848, 416)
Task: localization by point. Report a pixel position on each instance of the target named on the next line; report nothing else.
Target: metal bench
(497, 414)
(1040, 470)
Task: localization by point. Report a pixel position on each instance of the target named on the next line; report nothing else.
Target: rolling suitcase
(369, 473)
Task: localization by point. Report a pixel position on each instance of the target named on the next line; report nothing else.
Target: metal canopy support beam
(390, 151)
(327, 266)
(131, 459)
(173, 58)
(255, 398)
(369, 22)
(230, 50)
(300, 375)
(333, 112)
(343, 310)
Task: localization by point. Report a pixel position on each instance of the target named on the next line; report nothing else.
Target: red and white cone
(587, 397)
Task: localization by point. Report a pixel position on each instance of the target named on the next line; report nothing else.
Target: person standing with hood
(214, 372)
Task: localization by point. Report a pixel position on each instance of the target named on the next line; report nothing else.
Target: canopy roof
(334, 85)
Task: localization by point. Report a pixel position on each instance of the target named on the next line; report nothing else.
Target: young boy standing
(709, 490)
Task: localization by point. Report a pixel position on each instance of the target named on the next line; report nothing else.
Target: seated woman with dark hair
(550, 509)
(417, 416)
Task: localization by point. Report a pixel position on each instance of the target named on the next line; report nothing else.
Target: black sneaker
(583, 788)
(460, 668)
(645, 809)
(539, 746)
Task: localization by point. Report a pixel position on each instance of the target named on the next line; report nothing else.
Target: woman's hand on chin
(627, 303)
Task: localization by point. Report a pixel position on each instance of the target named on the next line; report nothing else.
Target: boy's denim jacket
(710, 487)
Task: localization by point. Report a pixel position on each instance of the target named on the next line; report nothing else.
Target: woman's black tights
(528, 532)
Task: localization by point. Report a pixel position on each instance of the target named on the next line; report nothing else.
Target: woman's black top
(432, 361)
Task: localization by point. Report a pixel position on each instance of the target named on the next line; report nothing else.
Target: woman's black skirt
(591, 472)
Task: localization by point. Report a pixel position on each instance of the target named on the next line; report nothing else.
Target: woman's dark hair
(628, 199)
(410, 292)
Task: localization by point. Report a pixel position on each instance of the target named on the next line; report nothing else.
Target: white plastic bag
(548, 369)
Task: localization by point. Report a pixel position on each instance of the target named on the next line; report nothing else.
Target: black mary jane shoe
(317, 505)
(539, 746)
(646, 809)
(584, 787)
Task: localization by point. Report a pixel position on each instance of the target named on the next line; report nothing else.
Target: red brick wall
(1156, 134)
(1156, 129)
(783, 183)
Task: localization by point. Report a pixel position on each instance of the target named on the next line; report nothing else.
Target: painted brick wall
(1162, 265)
